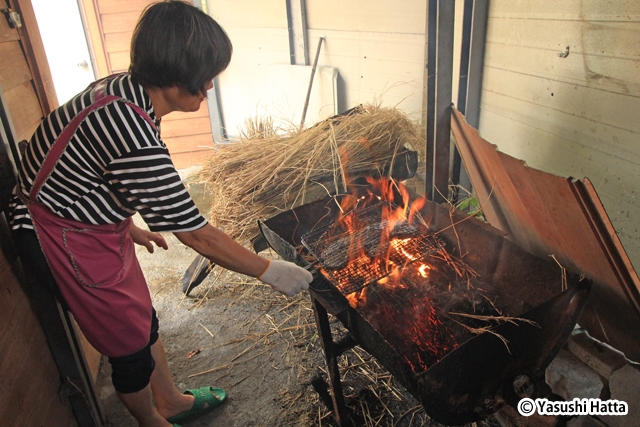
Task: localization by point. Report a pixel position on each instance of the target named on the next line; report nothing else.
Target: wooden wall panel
(119, 61)
(122, 22)
(185, 127)
(14, 69)
(189, 150)
(113, 22)
(25, 110)
(119, 6)
(569, 113)
(30, 379)
(117, 42)
(7, 33)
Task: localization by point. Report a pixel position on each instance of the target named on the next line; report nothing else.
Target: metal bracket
(13, 18)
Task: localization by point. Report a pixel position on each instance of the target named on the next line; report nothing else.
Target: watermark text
(528, 407)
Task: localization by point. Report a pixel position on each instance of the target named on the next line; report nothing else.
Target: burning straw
(265, 174)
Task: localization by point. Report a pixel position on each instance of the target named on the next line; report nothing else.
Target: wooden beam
(36, 56)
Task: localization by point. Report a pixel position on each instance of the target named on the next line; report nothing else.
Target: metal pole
(443, 94)
(432, 21)
(313, 72)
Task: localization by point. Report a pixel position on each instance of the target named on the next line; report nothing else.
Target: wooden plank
(14, 69)
(119, 61)
(119, 22)
(191, 158)
(190, 151)
(179, 115)
(188, 144)
(118, 42)
(184, 127)
(28, 131)
(25, 109)
(117, 6)
(36, 56)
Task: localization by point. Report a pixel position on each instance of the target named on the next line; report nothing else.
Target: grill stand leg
(331, 353)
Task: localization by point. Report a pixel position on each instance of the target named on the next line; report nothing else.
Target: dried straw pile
(265, 173)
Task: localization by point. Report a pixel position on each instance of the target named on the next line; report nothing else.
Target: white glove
(286, 277)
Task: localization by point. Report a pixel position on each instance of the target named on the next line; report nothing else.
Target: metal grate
(356, 251)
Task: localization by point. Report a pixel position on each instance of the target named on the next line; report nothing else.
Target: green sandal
(204, 395)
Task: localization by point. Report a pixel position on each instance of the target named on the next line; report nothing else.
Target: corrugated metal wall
(561, 90)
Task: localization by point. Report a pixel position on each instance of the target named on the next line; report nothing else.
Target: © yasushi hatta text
(576, 406)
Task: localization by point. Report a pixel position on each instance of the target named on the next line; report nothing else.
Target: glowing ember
(410, 309)
(424, 270)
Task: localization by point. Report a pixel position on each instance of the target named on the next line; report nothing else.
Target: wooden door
(41, 355)
(110, 24)
(30, 377)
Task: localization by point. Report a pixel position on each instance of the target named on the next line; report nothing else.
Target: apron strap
(101, 99)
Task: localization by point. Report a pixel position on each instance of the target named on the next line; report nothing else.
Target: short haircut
(176, 44)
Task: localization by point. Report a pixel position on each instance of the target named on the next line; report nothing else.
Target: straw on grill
(266, 173)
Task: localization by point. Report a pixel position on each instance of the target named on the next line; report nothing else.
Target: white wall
(575, 116)
(376, 47)
(258, 31)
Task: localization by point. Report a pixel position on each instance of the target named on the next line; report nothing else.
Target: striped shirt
(114, 166)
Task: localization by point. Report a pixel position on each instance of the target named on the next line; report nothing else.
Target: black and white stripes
(115, 165)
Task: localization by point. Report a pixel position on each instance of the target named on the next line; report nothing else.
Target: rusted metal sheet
(548, 216)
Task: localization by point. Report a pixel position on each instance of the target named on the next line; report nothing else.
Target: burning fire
(397, 302)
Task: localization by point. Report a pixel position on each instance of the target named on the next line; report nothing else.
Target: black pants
(129, 373)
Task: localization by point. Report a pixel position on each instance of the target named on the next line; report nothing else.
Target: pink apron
(95, 266)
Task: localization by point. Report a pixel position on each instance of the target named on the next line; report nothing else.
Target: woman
(98, 160)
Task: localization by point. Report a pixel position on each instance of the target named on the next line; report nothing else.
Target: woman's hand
(145, 238)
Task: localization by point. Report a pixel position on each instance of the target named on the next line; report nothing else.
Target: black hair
(176, 44)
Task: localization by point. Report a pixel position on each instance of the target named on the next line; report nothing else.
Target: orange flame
(424, 336)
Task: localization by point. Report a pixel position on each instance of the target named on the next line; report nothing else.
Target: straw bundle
(266, 174)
